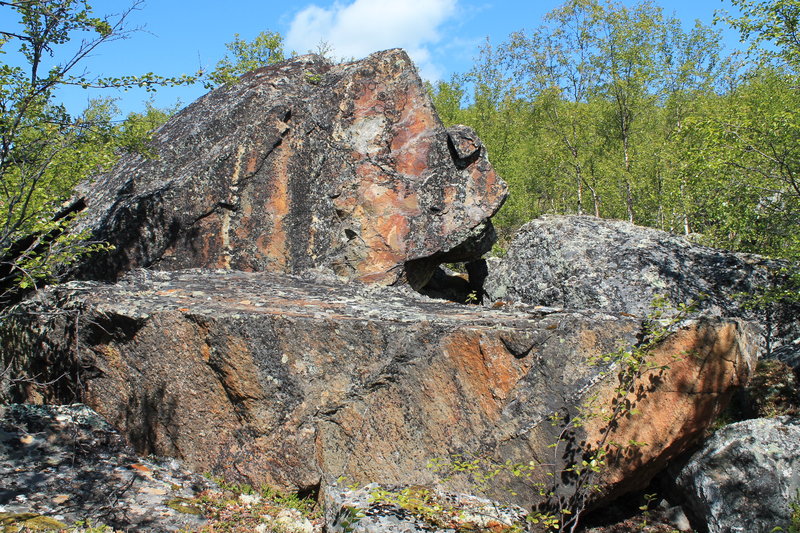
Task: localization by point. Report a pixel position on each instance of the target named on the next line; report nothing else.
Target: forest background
(604, 109)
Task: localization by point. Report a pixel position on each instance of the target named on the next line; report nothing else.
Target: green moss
(13, 522)
(184, 505)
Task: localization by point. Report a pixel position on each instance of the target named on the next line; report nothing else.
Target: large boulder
(585, 262)
(745, 478)
(291, 381)
(298, 166)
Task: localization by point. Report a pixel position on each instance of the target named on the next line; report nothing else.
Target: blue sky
(442, 36)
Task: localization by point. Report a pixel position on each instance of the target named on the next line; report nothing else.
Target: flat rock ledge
(293, 381)
(67, 464)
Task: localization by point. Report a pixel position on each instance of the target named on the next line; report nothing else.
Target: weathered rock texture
(284, 380)
(67, 464)
(297, 166)
(585, 262)
(376, 509)
(744, 478)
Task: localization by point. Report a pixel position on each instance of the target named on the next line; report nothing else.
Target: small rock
(249, 499)
(292, 521)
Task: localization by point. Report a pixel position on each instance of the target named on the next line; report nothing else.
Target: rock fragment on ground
(66, 464)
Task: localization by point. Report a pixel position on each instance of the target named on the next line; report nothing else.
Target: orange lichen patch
(253, 161)
(412, 162)
(167, 291)
(368, 99)
(386, 197)
(394, 229)
(698, 369)
(274, 244)
(484, 186)
(412, 141)
(238, 371)
(375, 197)
(379, 265)
(345, 203)
(378, 278)
(588, 340)
(485, 368)
(406, 134)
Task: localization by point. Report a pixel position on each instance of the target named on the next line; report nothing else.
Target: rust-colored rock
(277, 379)
(697, 370)
(298, 166)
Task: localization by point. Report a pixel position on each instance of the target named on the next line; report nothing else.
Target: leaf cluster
(243, 56)
(44, 151)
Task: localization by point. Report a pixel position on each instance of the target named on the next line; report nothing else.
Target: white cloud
(358, 28)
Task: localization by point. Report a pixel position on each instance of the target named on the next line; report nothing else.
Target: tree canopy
(45, 152)
(620, 111)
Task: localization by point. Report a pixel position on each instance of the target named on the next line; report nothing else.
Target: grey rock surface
(376, 509)
(745, 476)
(67, 463)
(583, 262)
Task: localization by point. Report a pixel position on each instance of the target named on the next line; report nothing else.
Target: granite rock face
(745, 476)
(290, 381)
(583, 262)
(298, 166)
(68, 464)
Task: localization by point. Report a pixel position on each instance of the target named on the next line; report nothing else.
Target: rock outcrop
(64, 464)
(584, 262)
(289, 381)
(298, 166)
(235, 333)
(745, 477)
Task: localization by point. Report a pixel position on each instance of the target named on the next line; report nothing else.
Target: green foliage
(794, 505)
(86, 526)
(439, 512)
(619, 111)
(13, 522)
(306, 506)
(243, 56)
(744, 161)
(44, 151)
(794, 517)
(772, 28)
(420, 502)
